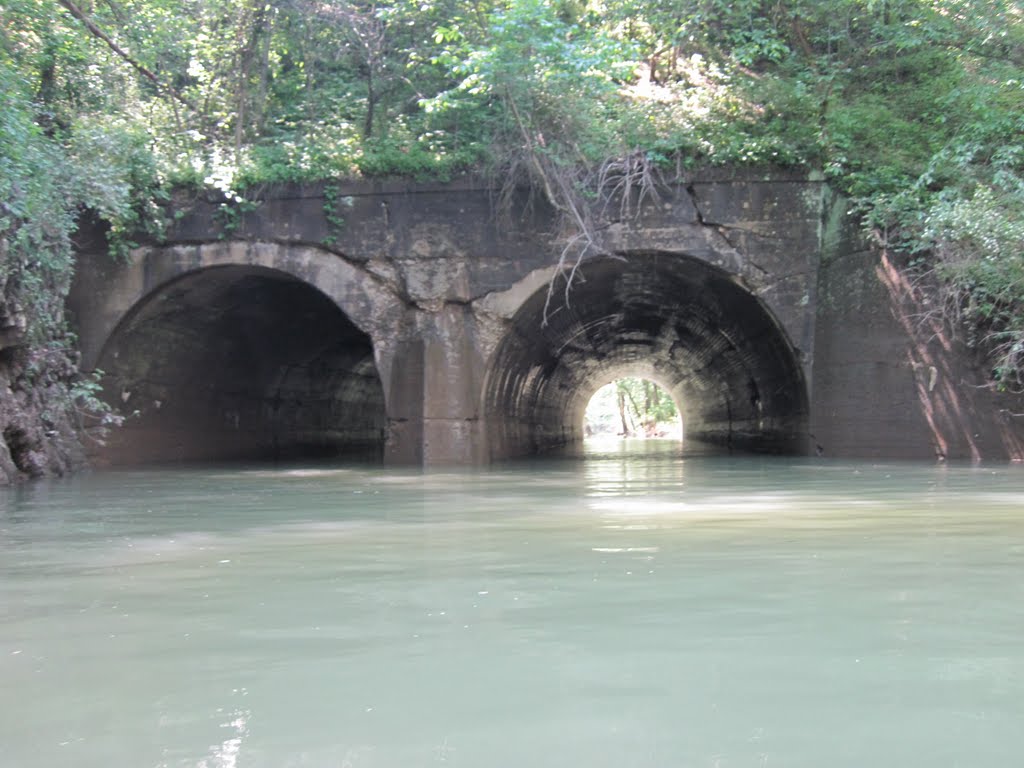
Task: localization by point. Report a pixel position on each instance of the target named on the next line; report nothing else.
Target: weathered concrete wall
(443, 337)
(888, 382)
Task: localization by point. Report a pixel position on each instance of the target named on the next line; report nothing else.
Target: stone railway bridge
(405, 322)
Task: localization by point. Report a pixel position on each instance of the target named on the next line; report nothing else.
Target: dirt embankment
(38, 436)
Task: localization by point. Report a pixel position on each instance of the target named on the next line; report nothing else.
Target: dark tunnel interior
(242, 363)
(679, 321)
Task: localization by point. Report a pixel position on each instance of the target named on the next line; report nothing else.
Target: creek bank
(38, 436)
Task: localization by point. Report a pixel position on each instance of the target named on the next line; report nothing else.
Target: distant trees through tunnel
(632, 407)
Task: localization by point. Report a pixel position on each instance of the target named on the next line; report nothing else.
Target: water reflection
(615, 467)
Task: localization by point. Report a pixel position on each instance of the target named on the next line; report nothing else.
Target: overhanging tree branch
(141, 68)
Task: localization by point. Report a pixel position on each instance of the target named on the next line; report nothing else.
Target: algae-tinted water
(614, 611)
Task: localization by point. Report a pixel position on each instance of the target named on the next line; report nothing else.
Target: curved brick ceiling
(685, 324)
(243, 362)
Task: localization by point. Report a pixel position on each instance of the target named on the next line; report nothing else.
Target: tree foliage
(913, 108)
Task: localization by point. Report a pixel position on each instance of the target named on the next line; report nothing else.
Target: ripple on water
(688, 613)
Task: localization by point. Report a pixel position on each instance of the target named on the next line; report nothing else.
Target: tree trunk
(622, 413)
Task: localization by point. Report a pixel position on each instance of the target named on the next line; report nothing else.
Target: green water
(612, 611)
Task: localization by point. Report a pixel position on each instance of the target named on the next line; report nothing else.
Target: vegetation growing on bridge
(913, 108)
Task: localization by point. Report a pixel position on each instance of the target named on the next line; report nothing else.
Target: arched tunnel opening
(674, 319)
(245, 363)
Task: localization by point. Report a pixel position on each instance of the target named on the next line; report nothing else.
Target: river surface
(618, 610)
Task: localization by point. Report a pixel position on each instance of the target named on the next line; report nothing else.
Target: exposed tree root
(586, 200)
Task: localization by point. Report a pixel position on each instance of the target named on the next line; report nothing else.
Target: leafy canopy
(913, 108)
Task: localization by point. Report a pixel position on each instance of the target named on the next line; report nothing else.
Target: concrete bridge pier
(402, 367)
(452, 429)
(433, 381)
